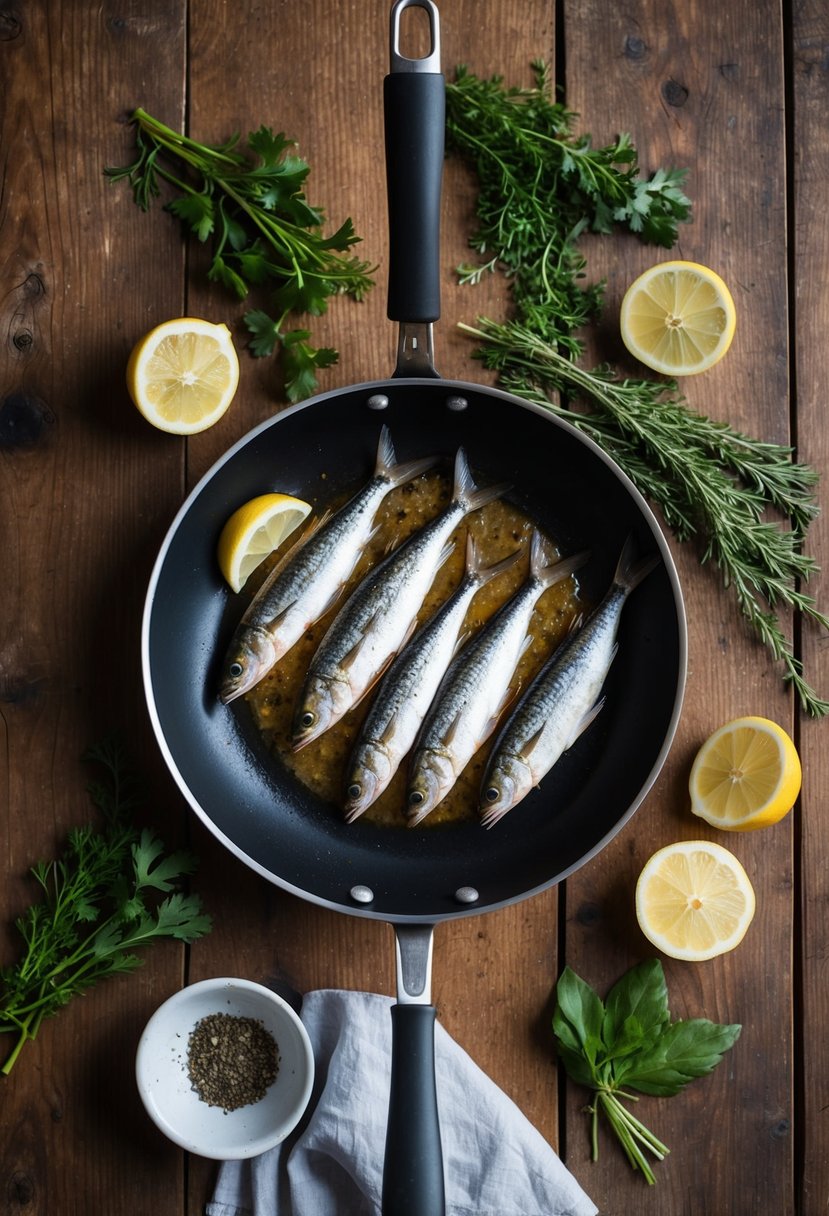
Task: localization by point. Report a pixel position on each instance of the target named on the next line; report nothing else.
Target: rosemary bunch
(539, 188)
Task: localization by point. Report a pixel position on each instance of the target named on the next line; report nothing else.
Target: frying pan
(253, 805)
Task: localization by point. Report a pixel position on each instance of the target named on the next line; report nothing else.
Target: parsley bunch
(629, 1042)
(96, 907)
(251, 206)
(746, 502)
(540, 187)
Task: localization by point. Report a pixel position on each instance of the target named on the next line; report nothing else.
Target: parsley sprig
(249, 203)
(629, 1042)
(99, 903)
(747, 503)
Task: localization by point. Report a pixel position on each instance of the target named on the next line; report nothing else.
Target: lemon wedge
(183, 375)
(254, 531)
(694, 900)
(747, 775)
(678, 318)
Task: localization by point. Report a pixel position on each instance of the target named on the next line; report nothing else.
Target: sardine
(409, 685)
(306, 582)
(379, 616)
(476, 688)
(561, 702)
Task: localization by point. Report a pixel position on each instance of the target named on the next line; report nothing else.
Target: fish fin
(273, 624)
(464, 489)
(386, 463)
(462, 638)
(547, 572)
(348, 660)
(374, 681)
(583, 723)
(451, 730)
(387, 733)
(503, 705)
(525, 646)
(475, 567)
(532, 743)
(444, 555)
(631, 571)
(332, 599)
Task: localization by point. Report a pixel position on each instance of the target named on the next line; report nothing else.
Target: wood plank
(85, 486)
(700, 86)
(810, 168)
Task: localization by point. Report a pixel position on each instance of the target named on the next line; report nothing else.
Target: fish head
(323, 702)
(431, 780)
(250, 658)
(507, 782)
(370, 774)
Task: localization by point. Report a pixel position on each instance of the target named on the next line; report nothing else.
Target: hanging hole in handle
(415, 37)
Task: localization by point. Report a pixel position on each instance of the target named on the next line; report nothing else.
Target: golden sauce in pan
(499, 529)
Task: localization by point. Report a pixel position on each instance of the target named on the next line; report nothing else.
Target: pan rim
(366, 911)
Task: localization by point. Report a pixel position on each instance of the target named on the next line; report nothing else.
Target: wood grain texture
(699, 87)
(87, 491)
(810, 167)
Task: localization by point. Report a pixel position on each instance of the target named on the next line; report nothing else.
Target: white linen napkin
(495, 1162)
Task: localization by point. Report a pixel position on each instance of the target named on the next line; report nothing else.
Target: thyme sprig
(746, 502)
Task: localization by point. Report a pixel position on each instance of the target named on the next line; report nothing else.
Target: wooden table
(88, 490)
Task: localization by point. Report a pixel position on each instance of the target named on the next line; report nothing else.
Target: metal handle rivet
(456, 403)
(378, 401)
(466, 895)
(361, 894)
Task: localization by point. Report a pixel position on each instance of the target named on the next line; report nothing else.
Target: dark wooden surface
(736, 92)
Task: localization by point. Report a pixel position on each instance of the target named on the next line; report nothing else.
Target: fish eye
(308, 718)
(235, 670)
(491, 794)
(415, 798)
(355, 790)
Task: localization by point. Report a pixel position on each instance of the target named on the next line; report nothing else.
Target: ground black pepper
(231, 1061)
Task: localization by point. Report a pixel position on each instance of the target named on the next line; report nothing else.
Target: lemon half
(183, 375)
(694, 900)
(678, 318)
(746, 775)
(254, 531)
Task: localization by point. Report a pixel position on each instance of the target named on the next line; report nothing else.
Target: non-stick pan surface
(244, 794)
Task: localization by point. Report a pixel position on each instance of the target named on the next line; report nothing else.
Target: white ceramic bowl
(166, 1089)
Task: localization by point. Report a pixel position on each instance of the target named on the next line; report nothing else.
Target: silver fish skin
(561, 702)
(304, 584)
(408, 687)
(378, 617)
(476, 688)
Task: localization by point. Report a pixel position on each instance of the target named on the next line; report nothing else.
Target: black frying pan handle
(413, 1174)
(415, 116)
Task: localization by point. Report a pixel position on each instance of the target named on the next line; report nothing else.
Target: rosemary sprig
(712, 484)
(540, 187)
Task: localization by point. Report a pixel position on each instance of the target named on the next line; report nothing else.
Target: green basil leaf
(684, 1050)
(641, 994)
(579, 1009)
(575, 1065)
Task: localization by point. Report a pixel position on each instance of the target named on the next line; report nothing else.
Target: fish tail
(386, 465)
(549, 573)
(466, 492)
(630, 570)
(475, 568)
